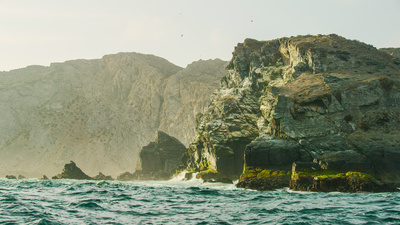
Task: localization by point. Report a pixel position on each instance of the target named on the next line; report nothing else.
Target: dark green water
(33, 201)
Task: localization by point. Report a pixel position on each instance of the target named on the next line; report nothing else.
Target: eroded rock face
(160, 159)
(99, 113)
(308, 98)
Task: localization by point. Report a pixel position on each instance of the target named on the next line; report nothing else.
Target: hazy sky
(182, 31)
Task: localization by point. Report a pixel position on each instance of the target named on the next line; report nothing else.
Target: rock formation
(71, 171)
(126, 176)
(322, 99)
(101, 176)
(159, 160)
(98, 112)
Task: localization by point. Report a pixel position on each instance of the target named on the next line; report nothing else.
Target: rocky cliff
(321, 99)
(98, 113)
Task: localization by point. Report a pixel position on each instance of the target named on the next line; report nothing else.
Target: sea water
(33, 201)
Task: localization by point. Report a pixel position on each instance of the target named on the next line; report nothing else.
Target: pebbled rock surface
(71, 171)
(99, 113)
(307, 98)
(159, 160)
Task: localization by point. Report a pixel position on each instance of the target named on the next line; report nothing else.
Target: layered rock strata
(322, 99)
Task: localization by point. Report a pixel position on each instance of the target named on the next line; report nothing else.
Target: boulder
(11, 177)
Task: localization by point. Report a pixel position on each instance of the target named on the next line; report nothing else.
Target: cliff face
(322, 99)
(98, 113)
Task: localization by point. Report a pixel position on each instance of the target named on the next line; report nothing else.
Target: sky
(182, 31)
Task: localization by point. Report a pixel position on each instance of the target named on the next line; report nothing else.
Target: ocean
(33, 201)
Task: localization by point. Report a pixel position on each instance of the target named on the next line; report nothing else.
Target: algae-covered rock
(71, 171)
(323, 99)
(306, 178)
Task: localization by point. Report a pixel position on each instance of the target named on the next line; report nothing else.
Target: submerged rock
(71, 171)
(11, 177)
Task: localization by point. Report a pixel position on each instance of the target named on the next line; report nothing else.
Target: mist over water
(35, 201)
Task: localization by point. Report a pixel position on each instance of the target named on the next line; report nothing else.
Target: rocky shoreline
(312, 113)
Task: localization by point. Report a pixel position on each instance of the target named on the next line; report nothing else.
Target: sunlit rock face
(98, 113)
(305, 99)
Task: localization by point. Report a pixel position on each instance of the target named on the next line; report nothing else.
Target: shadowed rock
(71, 171)
(101, 176)
(126, 176)
(161, 158)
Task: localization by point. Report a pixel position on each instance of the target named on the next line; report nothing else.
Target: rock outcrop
(322, 99)
(71, 171)
(159, 160)
(126, 176)
(101, 176)
(99, 113)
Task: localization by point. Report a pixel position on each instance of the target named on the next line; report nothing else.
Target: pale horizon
(43, 32)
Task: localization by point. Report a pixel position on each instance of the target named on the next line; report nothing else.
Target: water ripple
(33, 201)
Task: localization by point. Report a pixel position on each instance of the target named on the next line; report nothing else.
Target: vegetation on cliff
(322, 99)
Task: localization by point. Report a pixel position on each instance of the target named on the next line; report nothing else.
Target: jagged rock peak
(315, 54)
(164, 138)
(71, 171)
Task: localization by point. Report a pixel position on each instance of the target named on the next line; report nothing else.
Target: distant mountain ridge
(98, 113)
